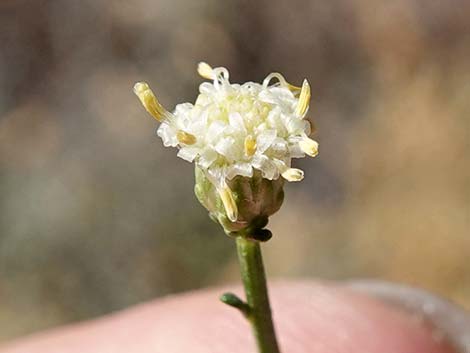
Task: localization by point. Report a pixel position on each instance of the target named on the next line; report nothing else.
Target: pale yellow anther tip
(304, 100)
(293, 174)
(205, 70)
(185, 138)
(150, 102)
(140, 87)
(309, 146)
(229, 203)
(250, 145)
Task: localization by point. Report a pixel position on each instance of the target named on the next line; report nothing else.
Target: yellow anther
(293, 174)
(185, 138)
(304, 100)
(150, 102)
(204, 70)
(250, 146)
(309, 146)
(294, 89)
(229, 203)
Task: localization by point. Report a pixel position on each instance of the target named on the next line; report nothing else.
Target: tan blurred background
(96, 215)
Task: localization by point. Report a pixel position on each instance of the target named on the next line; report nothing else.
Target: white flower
(232, 129)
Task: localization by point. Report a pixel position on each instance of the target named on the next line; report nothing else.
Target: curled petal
(265, 139)
(266, 166)
(236, 121)
(295, 151)
(243, 169)
(215, 130)
(188, 153)
(207, 158)
(167, 134)
(225, 148)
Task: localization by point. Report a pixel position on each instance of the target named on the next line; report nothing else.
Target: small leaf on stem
(234, 301)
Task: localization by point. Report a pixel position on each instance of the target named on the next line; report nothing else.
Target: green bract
(256, 198)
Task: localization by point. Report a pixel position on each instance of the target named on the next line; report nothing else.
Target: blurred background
(96, 215)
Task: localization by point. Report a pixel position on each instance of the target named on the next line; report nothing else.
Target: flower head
(238, 130)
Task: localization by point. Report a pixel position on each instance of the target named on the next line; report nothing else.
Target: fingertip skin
(309, 317)
(448, 320)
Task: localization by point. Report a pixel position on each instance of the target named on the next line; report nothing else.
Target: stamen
(309, 146)
(304, 100)
(229, 203)
(274, 75)
(204, 70)
(221, 76)
(186, 138)
(250, 146)
(294, 89)
(150, 102)
(293, 174)
(222, 73)
(312, 128)
(282, 81)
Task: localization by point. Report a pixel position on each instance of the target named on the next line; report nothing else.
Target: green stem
(254, 281)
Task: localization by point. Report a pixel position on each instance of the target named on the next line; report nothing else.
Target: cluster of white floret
(233, 129)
